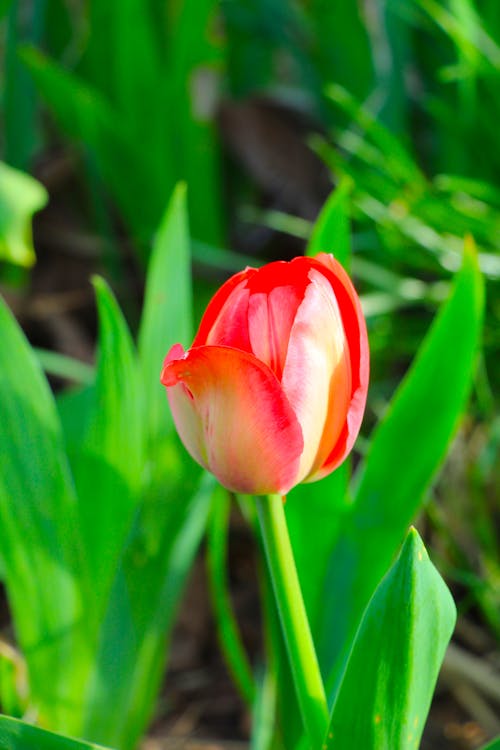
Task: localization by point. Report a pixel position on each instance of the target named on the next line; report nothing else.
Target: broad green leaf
(386, 690)
(167, 312)
(109, 469)
(331, 232)
(17, 735)
(136, 631)
(40, 543)
(20, 197)
(406, 450)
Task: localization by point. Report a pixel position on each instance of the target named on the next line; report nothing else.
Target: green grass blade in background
(331, 232)
(342, 49)
(228, 633)
(17, 735)
(109, 469)
(62, 366)
(39, 532)
(406, 450)
(167, 312)
(386, 691)
(264, 712)
(20, 197)
(136, 631)
(89, 119)
(20, 123)
(196, 61)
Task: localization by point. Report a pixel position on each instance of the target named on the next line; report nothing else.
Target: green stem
(303, 660)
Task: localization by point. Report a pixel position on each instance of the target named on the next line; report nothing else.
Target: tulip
(273, 389)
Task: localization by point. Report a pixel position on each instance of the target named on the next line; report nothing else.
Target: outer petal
(234, 418)
(317, 375)
(357, 341)
(219, 302)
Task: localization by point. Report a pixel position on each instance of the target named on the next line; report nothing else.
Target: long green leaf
(109, 469)
(136, 630)
(39, 537)
(167, 312)
(406, 450)
(17, 735)
(388, 684)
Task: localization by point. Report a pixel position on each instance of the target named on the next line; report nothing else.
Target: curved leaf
(387, 688)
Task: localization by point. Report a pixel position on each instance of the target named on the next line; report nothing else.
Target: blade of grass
(109, 470)
(227, 628)
(167, 312)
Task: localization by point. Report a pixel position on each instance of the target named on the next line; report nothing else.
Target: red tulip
(273, 389)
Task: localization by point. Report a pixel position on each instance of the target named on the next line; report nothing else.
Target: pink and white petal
(270, 320)
(317, 376)
(359, 356)
(234, 418)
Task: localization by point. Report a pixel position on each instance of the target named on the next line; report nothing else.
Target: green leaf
(62, 366)
(386, 691)
(167, 312)
(39, 534)
(331, 232)
(20, 197)
(406, 450)
(136, 631)
(229, 636)
(87, 117)
(109, 469)
(17, 735)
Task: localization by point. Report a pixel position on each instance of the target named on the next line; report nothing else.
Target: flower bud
(273, 389)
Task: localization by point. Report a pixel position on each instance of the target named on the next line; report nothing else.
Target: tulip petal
(224, 322)
(234, 418)
(357, 340)
(317, 376)
(270, 321)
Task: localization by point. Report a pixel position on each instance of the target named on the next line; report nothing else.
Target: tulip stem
(294, 622)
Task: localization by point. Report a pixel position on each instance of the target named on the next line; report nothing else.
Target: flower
(273, 389)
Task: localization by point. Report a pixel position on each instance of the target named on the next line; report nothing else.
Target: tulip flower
(272, 391)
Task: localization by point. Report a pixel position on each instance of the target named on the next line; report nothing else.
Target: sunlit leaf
(389, 680)
(20, 197)
(17, 735)
(167, 312)
(40, 542)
